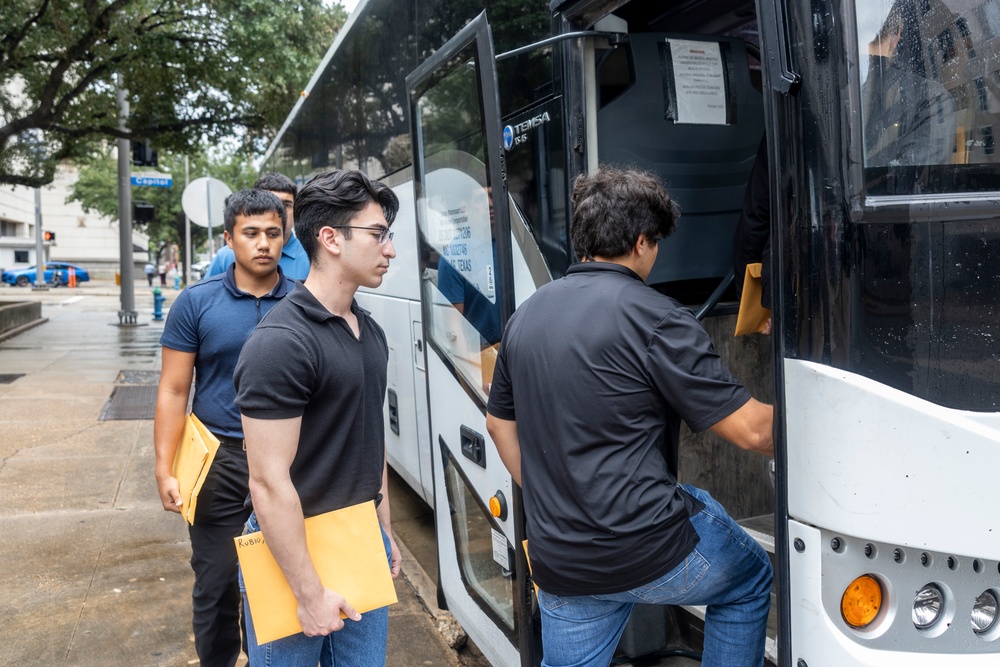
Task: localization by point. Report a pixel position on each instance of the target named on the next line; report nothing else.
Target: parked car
(199, 269)
(55, 273)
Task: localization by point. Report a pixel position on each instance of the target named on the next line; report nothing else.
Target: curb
(450, 629)
(10, 333)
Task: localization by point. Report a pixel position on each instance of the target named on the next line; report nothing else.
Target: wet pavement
(95, 573)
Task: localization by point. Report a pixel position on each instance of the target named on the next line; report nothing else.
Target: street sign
(153, 180)
(204, 201)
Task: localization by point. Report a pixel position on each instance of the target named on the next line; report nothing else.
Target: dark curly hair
(613, 207)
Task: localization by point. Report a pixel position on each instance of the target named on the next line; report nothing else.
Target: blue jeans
(727, 571)
(357, 644)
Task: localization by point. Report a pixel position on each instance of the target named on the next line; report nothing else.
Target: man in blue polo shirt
(294, 262)
(203, 335)
(594, 375)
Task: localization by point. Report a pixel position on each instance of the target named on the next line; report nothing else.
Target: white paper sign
(699, 82)
(500, 553)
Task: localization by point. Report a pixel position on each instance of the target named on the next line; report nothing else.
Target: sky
(349, 5)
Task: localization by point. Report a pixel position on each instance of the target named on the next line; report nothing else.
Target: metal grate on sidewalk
(131, 376)
(134, 396)
(7, 378)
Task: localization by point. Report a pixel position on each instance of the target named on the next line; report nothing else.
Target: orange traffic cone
(72, 277)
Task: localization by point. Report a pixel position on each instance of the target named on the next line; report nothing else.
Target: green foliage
(97, 191)
(195, 70)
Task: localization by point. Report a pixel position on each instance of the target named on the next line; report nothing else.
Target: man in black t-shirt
(310, 384)
(595, 373)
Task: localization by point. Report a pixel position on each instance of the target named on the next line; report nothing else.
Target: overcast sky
(349, 5)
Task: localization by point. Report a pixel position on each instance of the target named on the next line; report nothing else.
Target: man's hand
(170, 493)
(397, 558)
(321, 616)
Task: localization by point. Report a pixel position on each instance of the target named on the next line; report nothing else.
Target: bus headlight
(984, 612)
(861, 601)
(927, 606)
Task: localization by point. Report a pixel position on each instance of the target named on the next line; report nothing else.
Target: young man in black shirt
(310, 384)
(595, 372)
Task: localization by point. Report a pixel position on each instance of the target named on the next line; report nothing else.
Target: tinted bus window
(355, 116)
(930, 94)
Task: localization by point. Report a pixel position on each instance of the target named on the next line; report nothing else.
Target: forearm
(382, 510)
(168, 425)
(395, 559)
(279, 513)
(504, 434)
(750, 427)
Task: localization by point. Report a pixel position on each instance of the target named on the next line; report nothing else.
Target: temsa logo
(515, 135)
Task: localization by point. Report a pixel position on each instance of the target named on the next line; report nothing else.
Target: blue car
(56, 273)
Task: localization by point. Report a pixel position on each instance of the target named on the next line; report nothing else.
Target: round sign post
(203, 202)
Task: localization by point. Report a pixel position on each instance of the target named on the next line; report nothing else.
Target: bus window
(930, 95)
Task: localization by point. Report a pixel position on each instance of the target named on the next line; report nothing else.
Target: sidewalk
(95, 572)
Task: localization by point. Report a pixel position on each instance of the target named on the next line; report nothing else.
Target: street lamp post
(40, 283)
(127, 315)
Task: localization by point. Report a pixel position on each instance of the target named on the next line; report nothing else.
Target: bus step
(761, 528)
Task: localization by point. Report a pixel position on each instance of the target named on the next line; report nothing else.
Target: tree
(195, 70)
(97, 191)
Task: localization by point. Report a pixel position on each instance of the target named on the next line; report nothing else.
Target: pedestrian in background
(150, 272)
(310, 384)
(206, 327)
(294, 260)
(595, 373)
(162, 270)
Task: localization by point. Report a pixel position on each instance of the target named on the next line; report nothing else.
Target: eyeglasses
(383, 233)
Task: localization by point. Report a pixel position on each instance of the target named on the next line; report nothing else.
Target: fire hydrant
(158, 300)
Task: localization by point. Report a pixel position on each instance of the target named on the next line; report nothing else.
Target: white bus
(884, 362)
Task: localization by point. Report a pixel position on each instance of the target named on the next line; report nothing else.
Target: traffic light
(49, 237)
(142, 212)
(143, 155)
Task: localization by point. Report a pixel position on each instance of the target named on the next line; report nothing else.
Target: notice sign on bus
(699, 82)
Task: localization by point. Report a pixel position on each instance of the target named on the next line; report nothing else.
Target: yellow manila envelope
(346, 549)
(752, 316)
(192, 460)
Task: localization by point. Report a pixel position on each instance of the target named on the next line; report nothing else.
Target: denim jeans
(357, 644)
(727, 571)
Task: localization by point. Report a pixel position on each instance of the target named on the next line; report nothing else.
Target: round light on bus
(927, 606)
(984, 612)
(861, 601)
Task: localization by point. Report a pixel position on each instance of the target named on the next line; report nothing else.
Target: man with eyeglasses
(310, 384)
(294, 261)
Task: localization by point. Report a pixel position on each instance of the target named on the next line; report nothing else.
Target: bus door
(467, 294)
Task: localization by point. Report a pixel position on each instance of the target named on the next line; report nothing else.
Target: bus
(877, 117)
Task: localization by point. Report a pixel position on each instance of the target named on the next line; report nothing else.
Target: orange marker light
(861, 601)
(498, 506)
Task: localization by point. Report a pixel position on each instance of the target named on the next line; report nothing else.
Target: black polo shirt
(303, 361)
(598, 369)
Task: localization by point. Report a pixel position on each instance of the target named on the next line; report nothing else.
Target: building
(87, 239)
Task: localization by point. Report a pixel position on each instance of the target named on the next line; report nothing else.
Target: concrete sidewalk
(95, 572)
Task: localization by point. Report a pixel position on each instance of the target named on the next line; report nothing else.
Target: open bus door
(467, 295)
